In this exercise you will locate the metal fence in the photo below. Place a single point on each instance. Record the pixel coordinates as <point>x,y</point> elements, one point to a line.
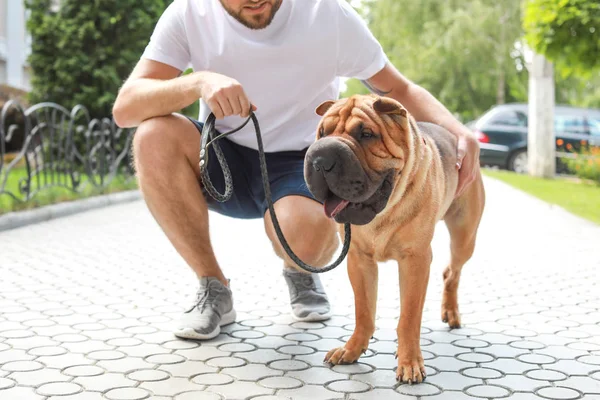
<point>47,145</point>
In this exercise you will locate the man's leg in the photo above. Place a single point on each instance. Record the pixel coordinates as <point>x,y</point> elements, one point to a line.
<point>313,238</point>
<point>166,156</point>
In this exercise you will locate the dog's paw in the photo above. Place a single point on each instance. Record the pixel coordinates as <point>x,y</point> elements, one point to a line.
<point>410,370</point>
<point>343,355</point>
<point>451,316</point>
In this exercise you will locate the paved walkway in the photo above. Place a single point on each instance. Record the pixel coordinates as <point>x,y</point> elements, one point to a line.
<point>87,302</point>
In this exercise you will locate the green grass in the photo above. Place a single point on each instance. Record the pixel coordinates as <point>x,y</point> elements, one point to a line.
<point>53,195</point>
<point>580,198</point>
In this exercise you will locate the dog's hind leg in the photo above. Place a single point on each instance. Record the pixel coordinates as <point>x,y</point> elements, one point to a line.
<point>462,221</point>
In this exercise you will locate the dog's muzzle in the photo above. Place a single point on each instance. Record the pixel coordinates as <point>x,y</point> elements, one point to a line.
<point>336,178</point>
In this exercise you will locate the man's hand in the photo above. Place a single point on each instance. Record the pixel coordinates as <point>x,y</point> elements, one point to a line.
<point>224,96</point>
<point>468,161</point>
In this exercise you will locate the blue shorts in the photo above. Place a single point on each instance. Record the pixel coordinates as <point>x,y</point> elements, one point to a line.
<point>285,170</point>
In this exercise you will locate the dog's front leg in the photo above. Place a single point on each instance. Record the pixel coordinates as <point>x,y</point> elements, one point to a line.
<point>414,276</point>
<point>362,270</point>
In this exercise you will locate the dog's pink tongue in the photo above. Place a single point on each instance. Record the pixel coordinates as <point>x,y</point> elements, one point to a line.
<point>333,205</point>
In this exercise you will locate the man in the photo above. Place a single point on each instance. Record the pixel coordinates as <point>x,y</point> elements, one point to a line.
<point>280,58</point>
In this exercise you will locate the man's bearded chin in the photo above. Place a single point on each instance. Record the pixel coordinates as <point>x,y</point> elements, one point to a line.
<point>255,22</point>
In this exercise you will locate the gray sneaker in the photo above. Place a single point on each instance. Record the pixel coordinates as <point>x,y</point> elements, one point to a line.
<point>212,309</point>
<point>307,296</point>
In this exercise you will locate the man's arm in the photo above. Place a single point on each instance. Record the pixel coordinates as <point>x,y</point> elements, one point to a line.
<point>425,107</point>
<point>153,89</point>
<point>156,89</point>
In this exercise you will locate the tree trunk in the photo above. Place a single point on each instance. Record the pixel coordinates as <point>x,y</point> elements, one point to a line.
<point>540,137</point>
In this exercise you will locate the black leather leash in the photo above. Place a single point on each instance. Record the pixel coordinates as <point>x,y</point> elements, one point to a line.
<point>208,131</point>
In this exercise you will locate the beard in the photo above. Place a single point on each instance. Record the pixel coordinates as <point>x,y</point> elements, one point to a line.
<point>253,21</point>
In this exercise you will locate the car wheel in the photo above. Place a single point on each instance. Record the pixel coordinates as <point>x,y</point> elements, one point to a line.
<point>518,162</point>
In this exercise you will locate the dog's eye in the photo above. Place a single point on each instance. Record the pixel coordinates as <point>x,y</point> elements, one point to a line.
<point>366,134</point>
<point>321,132</point>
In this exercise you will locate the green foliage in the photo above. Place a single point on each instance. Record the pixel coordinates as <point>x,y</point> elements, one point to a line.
<point>82,52</point>
<point>462,51</point>
<point>469,53</point>
<point>586,164</point>
<point>566,32</point>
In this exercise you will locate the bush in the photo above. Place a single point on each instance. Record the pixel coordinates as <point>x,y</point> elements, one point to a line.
<point>82,51</point>
<point>586,164</point>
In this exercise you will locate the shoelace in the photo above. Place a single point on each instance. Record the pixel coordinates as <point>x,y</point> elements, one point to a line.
<point>203,296</point>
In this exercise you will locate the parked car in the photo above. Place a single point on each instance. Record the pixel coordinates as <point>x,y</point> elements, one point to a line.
<point>502,134</point>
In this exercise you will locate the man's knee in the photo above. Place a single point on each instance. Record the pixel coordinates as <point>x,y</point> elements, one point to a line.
<point>151,140</point>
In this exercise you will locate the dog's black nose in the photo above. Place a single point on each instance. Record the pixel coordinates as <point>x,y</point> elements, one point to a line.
<point>324,164</point>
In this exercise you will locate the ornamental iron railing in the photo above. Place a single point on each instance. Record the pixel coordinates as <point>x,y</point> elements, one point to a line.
<point>47,145</point>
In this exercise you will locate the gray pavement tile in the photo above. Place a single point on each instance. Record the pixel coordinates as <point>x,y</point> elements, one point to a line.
<point>21,392</point>
<point>488,391</point>
<point>81,396</point>
<point>582,383</point>
<point>127,394</point>
<point>197,395</point>
<point>317,375</point>
<point>170,387</point>
<point>558,393</point>
<point>72,322</point>
<point>519,383</point>
<point>59,389</point>
<point>377,394</point>
<point>422,389</point>
<point>573,367</point>
<point>37,378</point>
<point>251,372</point>
<point>240,390</point>
<point>450,364</point>
<point>186,368</point>
<point>453,381</point>
<point>379,378</point>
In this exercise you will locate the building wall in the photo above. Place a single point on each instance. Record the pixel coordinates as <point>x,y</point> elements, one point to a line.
<point>14,45</point>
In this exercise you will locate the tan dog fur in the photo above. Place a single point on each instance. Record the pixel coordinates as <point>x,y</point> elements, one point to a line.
<point>423,194</point>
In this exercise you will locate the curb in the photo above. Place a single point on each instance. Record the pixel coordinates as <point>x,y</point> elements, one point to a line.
<point>19,219</point>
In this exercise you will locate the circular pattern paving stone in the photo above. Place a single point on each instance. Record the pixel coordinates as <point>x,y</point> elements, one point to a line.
<point>558,393</point>
<point>348,386</point>
<point>225,362</point>
<point>482,373</point>
<point>47,351</point>
<point>6,383</point>
<point>59,389</point>
<point>289,365</point>
<point>536,358</point>
<point>280,382</point>
<point>248,334</point>
<point>488,391</point>
<point>127,394</point>
<point>148,375</point>
<point>83,370</point>
<point>198,396</point>
<point>476,357</point>
<point>237,347</point>
<point>212,379</point>
<point>296,350</point>
<point>546,375</point>
<point>165,359</point>
<point>22,366</point>
<point>422,389</point>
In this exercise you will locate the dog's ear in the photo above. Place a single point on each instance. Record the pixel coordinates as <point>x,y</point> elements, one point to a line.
<point>323,107</point>
<point>386,105</point>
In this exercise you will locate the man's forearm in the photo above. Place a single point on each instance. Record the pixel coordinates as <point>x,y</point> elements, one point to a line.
<point>425,107</point>
<point>145,98</point>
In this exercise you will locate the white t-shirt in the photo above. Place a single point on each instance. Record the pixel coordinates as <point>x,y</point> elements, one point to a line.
<point>286,69</point>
